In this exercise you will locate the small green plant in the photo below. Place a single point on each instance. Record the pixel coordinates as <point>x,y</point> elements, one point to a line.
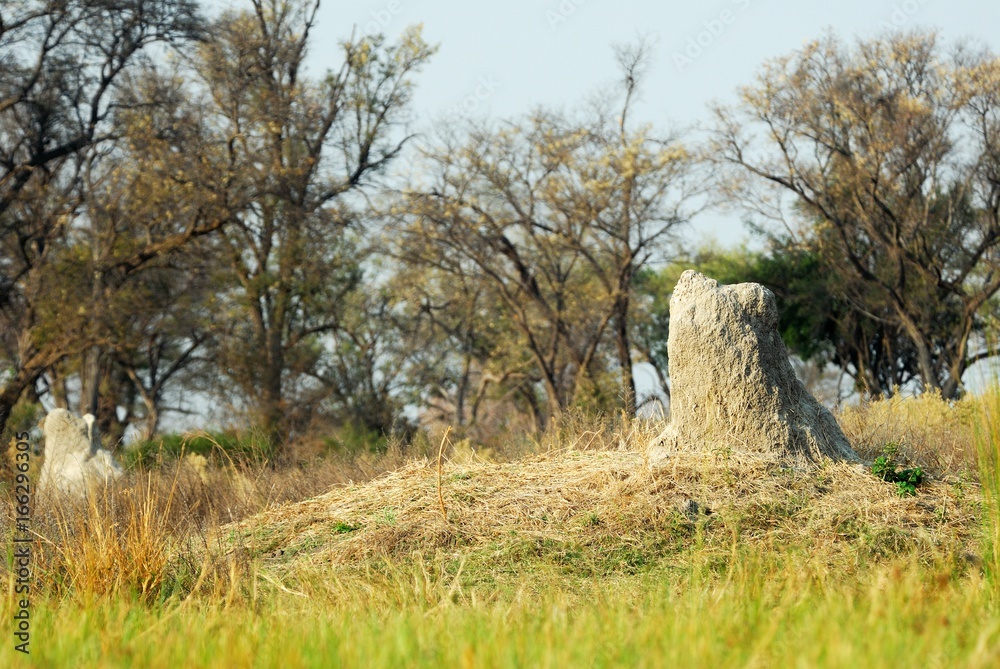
<point>883,468</point>
<point>344,528</point>
<point>906,480</point>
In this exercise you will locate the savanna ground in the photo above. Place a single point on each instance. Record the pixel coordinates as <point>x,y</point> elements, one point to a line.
<point>568,552</point>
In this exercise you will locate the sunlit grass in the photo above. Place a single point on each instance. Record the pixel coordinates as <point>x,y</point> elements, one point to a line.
<point>756,609</point>
<point>988,450</point>
<point>823,569</point>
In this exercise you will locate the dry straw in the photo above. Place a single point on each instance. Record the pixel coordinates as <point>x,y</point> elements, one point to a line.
<point>597,498</point>
<point>440,458</point>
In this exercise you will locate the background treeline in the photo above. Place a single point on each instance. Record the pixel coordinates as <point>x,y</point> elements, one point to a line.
<point>189,218</point>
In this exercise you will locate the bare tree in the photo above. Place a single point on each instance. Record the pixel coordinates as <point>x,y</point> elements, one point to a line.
<point>889,153</point>
<point>300,147</point>
<point>61,62</point>
<point>555,217</point>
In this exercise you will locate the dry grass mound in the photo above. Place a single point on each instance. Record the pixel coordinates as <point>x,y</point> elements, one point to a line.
<point>936,434</point>
<point>604,511</point>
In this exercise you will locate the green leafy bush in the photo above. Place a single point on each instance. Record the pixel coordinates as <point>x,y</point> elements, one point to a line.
<point>906,480</point>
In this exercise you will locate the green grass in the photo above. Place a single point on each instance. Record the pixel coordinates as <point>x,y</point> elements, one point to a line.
<point>988,451</point>
<point>751,609</point>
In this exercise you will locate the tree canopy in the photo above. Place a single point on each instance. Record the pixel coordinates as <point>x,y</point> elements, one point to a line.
<point>191,217</point>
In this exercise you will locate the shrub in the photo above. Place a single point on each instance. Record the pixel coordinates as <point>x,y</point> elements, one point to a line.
<point>906,480</point>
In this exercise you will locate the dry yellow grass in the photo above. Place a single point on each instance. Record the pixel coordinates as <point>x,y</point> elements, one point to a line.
<point>139,535</point>
<point>931,432</point>
<point>595,501</point>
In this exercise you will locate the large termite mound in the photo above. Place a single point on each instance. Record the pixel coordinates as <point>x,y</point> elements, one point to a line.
<point>732,384</point>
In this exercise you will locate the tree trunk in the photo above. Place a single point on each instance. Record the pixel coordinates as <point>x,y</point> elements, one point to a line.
<point>8,398</point>
<point>12,391</point>
<point>90,380</point>
<point>624,347</point>
<point>272,419</point>
<point>152,421</point>
<point>60,395</point>
<point>928,377</point>
<point>536,416</point>
<point>461,391</point>
<point>117,391</point>
<point>952,388</point>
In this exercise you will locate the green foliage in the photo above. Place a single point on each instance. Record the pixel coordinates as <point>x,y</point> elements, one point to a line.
<point>220,447</point>
<point>354,438</point>
<point>906,480</point>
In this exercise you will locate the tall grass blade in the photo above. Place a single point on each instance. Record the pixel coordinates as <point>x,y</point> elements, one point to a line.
<point>987,436</point>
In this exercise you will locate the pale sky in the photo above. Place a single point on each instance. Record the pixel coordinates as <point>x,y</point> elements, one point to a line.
<point>501,59</point>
